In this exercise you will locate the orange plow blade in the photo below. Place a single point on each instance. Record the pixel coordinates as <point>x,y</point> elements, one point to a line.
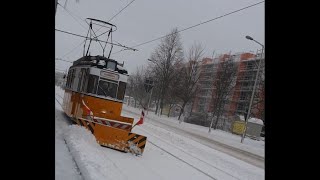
<point>115,135</point>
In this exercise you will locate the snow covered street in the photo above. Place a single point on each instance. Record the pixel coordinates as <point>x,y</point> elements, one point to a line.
<point>251,151</point>
<point>167,155</point>
<point>65,167</point>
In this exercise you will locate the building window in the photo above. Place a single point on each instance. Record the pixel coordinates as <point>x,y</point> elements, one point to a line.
<point>243,96</point>
<point>240,107</point>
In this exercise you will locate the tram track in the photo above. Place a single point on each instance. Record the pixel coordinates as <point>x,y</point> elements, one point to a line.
<point>189,154</point>
<point>248,157</point>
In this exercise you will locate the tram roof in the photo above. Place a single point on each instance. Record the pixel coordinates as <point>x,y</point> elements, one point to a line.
<point>94,61</point>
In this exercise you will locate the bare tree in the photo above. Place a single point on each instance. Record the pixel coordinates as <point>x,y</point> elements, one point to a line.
<point>188,76</point>
<point>171,98</point>
<point>163,61</point>
<point>222,86</point>
<point>136,87</point>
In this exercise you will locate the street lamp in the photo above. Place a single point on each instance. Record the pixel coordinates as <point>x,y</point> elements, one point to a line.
<point>254,87</point>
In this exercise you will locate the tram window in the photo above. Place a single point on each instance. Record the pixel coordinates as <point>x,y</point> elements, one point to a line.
<point>111,65</point>
<point>121,90</point>
<point>92,84</point>
<point>68,79</point>
<point>85,80</point>
<point>106,88</point>
<point>81,82</point>
<point>73,77</point>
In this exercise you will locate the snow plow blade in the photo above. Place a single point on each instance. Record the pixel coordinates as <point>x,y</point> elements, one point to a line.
<point>116,136</point>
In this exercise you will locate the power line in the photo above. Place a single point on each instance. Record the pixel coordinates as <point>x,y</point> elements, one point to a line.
<point>87,23</point>
<point>60,70</point>
<point>73,16</point>
<point>71,33</point>
<point>59,59</point>
<point>116,14</point>
<point>79,23</point>
<point>73,49</point>
<point>196,25</point>
<point>95,39</point>
<point>201,23</point>
<point>121,10</point>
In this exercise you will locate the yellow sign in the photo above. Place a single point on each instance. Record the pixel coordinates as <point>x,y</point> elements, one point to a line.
<point>238,127</point>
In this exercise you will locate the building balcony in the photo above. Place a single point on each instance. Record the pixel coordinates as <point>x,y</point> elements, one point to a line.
<point>243,89</point>
<point>248,69</point>
<point>203,96</point>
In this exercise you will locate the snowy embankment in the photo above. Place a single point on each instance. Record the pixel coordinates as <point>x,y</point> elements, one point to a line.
<point>88,156</point>
<point>252,146</point>
<point>65,167</point>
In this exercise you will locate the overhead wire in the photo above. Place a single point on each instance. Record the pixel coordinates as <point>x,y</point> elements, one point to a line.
<point>190,27</point>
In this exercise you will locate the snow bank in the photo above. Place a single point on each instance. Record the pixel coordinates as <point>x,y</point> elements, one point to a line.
<point>252,120</point>
<point>88,156</point>
<point>65,166</point>
<point>256,121</point>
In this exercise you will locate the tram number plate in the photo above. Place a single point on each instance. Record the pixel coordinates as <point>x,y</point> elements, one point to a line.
<point>109,75</point>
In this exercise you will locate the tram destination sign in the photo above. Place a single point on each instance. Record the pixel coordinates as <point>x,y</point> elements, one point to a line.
<point>108,75</point>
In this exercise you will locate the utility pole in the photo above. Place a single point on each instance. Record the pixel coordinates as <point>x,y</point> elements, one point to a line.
<point>56,6</point>
<point>254,88</point>
<point>148,85</point>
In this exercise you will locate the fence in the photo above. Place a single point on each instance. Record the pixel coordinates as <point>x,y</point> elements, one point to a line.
<point>203,119</point>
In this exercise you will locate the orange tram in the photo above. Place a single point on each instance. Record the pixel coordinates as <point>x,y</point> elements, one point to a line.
<point>93,98</point>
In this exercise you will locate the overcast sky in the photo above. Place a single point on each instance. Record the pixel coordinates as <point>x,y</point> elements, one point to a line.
<point>145,20</point>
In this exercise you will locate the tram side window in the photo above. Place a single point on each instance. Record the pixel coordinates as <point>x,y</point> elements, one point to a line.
<point>82,79</point>
<point>85,80</point>
<point>106,88</point>
<point>73,72</point>
<point>121,90</point>
<point>70,78</point>
<point>92,84</point>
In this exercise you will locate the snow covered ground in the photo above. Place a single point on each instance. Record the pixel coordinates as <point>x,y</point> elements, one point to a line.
<point>249,145</point>
<point>65,167</point>
<point>167,155</point>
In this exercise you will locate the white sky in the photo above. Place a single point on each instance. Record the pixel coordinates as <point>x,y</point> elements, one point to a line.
<point>145,20</point>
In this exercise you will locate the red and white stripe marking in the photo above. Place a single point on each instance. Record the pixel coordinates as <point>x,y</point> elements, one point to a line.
<point>108,122</point>
<point>112,123</point>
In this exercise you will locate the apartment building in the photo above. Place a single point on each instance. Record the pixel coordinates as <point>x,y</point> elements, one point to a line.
<point>247,68</point>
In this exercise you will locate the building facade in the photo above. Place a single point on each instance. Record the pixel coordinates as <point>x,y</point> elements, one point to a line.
<point>247,68</point>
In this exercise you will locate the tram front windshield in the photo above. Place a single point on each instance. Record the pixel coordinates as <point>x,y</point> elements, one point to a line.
<point>108,89</point>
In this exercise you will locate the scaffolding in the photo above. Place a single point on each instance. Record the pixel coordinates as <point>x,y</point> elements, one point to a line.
<point>239,100</point>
